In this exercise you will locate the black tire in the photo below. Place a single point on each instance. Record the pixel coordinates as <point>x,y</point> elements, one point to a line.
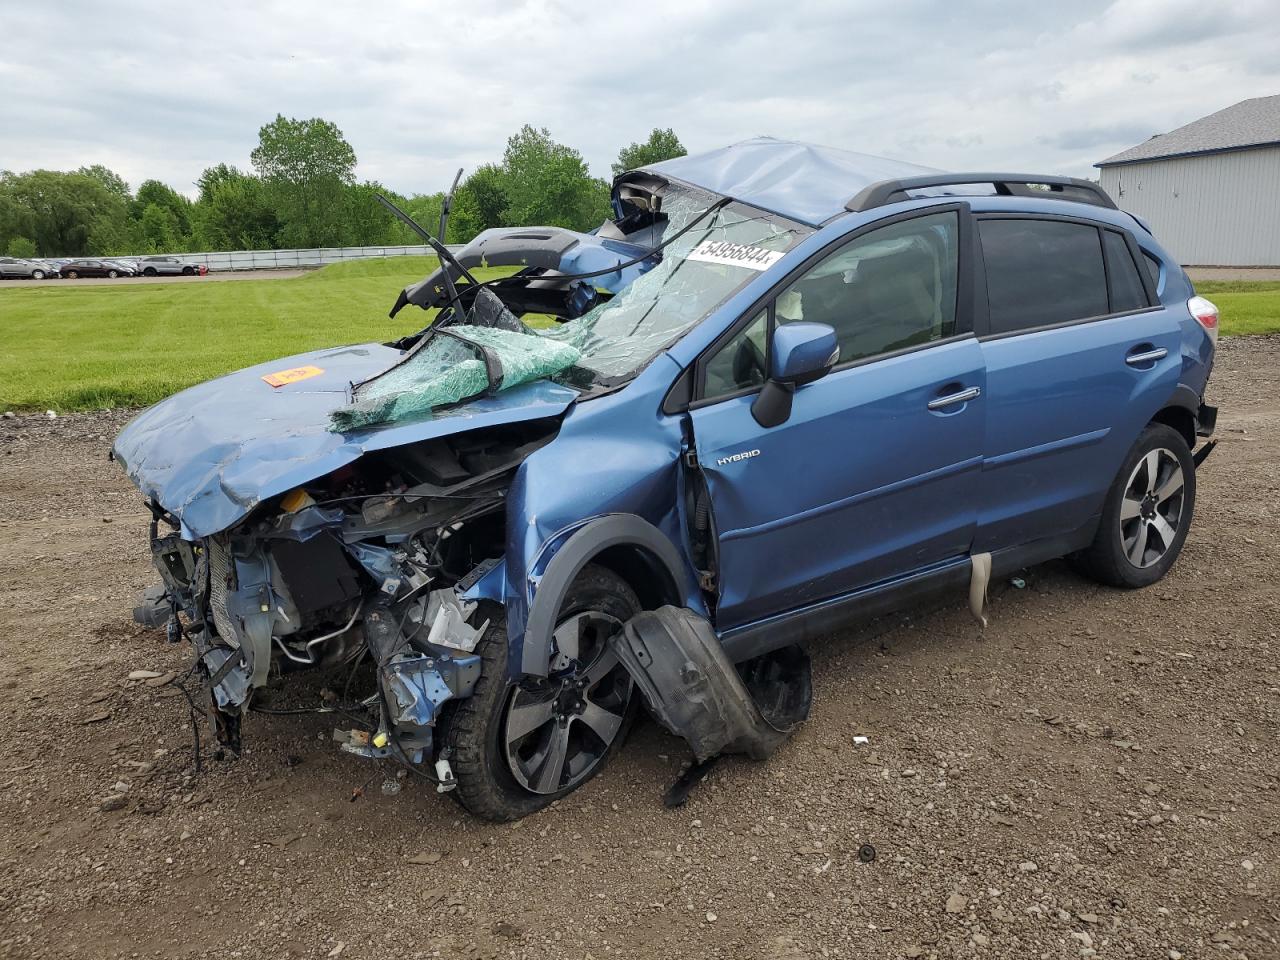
<point>1107,560</point>
<point>188,271</point>
<point>149,272</point>
<point>71,275</point>
<point>113,274</point>
<point>474,732</point>
<point>37,274</point>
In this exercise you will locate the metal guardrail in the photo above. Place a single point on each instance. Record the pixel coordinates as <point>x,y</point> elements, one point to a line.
<point>289,259</point>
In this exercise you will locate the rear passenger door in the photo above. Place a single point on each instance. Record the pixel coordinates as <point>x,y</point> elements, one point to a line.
<point>1079,356</point>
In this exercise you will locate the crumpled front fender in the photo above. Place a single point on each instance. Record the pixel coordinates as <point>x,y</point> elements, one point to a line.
<point>585,543</point>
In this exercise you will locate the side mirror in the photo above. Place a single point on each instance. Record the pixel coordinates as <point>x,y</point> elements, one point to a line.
<point>801,353</point>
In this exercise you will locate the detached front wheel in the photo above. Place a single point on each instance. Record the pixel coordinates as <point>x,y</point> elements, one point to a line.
<point>517,747</point>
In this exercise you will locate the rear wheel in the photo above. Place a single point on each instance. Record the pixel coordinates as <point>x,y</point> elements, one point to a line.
<point>517,747</point>
<point>1147,513</point>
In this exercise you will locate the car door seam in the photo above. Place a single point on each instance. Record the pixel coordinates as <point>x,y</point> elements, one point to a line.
<point>888,488</point>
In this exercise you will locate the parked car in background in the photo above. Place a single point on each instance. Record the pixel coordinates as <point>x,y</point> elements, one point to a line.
<point>837,384</point>
<point>16,268</point>
<point>127,268</point>
<point>74,269</point>
<point>169,267</point>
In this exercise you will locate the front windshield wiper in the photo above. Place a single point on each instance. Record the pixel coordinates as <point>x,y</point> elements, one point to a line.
<point>438,245</point>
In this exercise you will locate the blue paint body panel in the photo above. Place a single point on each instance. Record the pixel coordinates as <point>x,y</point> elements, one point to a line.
<point>863,482</point>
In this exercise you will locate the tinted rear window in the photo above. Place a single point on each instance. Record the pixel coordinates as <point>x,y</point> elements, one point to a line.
<point>1127,292</point>
<point>1042,272</point>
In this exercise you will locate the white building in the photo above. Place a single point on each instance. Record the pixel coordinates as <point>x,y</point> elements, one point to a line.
<point>1211,189</point>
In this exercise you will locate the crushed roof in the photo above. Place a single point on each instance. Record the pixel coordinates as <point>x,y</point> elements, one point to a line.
<point>801,181</point>
<point>1249,123</point>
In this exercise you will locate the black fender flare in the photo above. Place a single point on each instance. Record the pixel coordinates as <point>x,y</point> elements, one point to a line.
<point>613,530</point>
<point>1186,398</point>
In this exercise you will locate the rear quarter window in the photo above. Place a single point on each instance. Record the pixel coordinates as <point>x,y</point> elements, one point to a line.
<point>1153,268</point>
<point>1123,280</point>
<point>1042,272</point>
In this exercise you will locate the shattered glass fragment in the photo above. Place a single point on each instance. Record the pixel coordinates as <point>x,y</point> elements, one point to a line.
<point>450,367</point>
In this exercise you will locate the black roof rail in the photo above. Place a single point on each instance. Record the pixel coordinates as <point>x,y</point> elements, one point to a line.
<point>1006,184</point>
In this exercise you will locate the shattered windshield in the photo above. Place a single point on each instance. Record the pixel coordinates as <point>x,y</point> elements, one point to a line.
<point>697,273</point>
<point>492,349</point>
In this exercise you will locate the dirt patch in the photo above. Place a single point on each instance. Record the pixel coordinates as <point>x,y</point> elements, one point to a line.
<point>1096,771</point>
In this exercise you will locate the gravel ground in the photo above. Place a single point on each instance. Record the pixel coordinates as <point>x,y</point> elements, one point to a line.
<point>1095,772</point>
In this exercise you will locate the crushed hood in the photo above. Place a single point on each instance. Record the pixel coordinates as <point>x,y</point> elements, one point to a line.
<point>212,453</point>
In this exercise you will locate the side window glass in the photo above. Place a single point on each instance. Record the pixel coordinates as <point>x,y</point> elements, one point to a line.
<point>1042,272</point>
<point>1153,268</point>
<point>740,363</point>
<point>1125,284</point>
<point>886,290</point>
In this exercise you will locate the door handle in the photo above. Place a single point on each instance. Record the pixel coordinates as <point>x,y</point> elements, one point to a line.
<point>1146,356</point>
<point>963,396</point>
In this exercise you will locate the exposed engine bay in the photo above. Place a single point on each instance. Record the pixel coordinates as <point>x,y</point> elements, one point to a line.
<point>370,560</point>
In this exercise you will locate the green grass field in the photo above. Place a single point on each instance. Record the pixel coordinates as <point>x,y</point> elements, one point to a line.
<point>1245,306</point>
<point>70,347</point>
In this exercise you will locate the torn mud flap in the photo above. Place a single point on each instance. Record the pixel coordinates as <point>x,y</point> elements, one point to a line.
<point>695,691</point>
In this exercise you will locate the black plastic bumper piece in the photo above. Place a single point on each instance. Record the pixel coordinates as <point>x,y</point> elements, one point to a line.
<point>697,693</point>
<point>1201,455</point>
<point>153,609</point>
<point>1206,419</point>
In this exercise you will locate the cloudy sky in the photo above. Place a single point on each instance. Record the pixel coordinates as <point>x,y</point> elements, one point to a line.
<point>419,88</point>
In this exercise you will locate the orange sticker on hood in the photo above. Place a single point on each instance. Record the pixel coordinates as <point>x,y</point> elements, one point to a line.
<point>282,377</point>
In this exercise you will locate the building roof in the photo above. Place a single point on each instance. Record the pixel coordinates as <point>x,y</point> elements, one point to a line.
<point>800,181</point>
<point>1249,123</point>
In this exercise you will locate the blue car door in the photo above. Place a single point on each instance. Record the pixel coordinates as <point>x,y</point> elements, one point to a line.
<point>874,473</point>
<point>1079,356</point>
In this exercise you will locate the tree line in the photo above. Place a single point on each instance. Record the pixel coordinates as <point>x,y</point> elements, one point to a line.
<point>302,192</point>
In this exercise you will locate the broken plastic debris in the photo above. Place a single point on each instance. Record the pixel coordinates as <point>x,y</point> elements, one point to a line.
<point>859,740</point>
<point>980,576</point>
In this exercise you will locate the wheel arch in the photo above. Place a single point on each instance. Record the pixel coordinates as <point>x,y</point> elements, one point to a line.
<point>1180,413</point>
<point>625,544</point>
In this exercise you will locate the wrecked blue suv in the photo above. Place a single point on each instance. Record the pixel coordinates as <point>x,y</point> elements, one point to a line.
<point>787,386</point>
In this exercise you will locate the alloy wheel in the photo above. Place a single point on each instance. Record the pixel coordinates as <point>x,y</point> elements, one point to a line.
<point>558,732</point>
<point>1151,509</point>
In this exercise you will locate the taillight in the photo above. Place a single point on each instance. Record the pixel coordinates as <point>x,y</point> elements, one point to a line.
<point>1205,312</point>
